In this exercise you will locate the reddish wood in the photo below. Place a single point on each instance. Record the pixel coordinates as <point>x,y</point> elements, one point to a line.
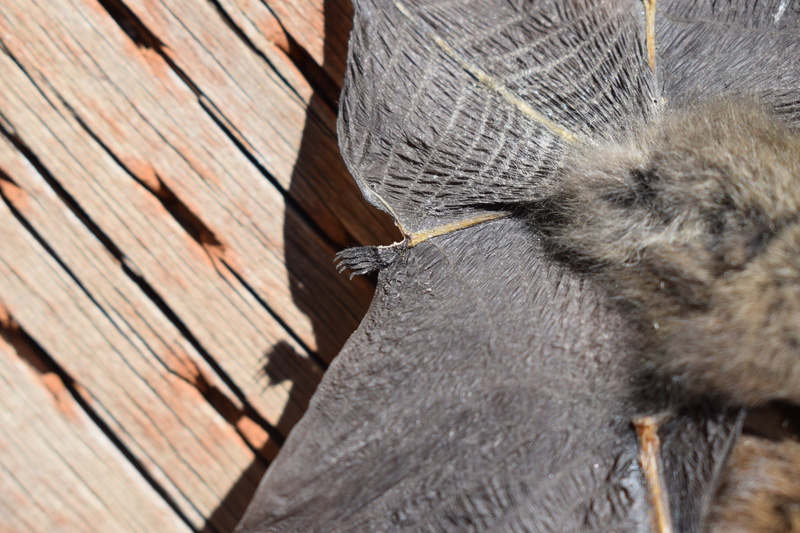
<point>172,196</point>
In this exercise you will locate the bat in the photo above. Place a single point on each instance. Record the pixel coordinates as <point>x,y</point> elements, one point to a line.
<point>600,217</point>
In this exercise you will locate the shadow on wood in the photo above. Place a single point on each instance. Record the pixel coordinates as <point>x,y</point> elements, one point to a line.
<point>326,79</point>
<point>235,502</point>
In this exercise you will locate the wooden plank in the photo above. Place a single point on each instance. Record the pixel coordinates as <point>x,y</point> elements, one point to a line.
<point>172,196</point>
<point>156,247</point>
<point>141,114</point>
<point>81,481</point>
<point>193,279</point>
<point>273,117</point>
<point>187,447</point>
<point>319,27</point>
<point>103,277</point>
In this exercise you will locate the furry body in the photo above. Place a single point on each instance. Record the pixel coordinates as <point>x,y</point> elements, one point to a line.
<point>760,493</point>
<point>694,223</point>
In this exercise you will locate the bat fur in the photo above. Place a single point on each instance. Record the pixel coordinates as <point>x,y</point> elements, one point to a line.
<point>760,492</point>
<point>693,222</point>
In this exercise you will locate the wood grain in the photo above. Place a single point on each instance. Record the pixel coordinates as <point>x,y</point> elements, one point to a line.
<point>172,199</point>
<point>81,482</point>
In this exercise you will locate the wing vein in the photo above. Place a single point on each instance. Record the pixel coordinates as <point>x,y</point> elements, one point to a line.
<point>492,83</point>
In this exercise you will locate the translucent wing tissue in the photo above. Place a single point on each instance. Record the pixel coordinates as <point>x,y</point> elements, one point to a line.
<point>458,106</point>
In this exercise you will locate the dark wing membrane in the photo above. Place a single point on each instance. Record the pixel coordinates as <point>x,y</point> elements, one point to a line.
<point>483,391</point>
<point>706,48</point>
<point>453,107</point>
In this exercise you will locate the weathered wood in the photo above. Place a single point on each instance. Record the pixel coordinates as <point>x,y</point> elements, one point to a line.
<point>172,196</point>
<point>148,394</point>
<point>81,481</point>
<point>204,295</point>
<point>158,132</point>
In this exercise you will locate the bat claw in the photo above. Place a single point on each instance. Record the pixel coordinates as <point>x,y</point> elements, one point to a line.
<point>361,260</point>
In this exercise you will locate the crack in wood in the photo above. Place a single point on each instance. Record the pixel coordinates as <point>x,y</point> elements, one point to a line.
<point>149,178</point>
<point>245,416</point>
<point>321,83</point>
<point>17,210</point>
<point>27,350</point>
<point>263,439</point>
<point>132,25</point>
<point>11,192</point>
<point>314,356</point>
<point>60,191</point>
<point>260,436</point>
<point>189,220</point>
<point>69,396</point>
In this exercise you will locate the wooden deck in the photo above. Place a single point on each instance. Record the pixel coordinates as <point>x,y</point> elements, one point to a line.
<point>172,197</point>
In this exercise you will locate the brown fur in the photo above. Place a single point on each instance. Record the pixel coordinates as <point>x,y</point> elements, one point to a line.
<point>760,492</point>
<point>694,222</point>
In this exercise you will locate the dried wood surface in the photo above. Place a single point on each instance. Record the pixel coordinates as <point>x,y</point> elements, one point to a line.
<point>172,196</point>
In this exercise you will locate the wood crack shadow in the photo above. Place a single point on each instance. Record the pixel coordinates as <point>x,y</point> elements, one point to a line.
<point>60,383</point>
<point>325,89</point>
<point>260,436</point>
<point>186,218</point>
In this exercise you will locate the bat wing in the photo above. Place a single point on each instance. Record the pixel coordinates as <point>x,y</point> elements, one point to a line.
<point>707,48</point>
<point>453,108</point>
<point>450,108</point>
<point>485,389</point>
<point>490,387</point>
